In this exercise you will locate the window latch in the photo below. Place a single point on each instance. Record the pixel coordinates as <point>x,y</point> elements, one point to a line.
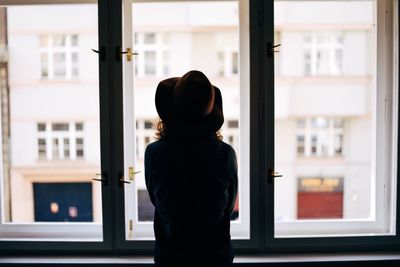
<point>121,180</point>
<point>271,49</point>
<point>102,179</point>
<point>101,52</point>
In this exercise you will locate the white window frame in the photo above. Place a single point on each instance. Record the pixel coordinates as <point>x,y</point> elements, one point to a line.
<point>384,161</point>
<point>240,229</point>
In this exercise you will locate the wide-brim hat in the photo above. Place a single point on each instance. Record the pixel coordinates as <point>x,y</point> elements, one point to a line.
<point>190,104</point>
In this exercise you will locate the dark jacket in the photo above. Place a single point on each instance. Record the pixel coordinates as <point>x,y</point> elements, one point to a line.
<point>193,186</point>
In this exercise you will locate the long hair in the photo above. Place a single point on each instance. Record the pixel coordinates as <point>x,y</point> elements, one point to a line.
<point>161,131</point>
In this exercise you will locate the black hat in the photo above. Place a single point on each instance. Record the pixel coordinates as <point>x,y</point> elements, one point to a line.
<point>190,104</point>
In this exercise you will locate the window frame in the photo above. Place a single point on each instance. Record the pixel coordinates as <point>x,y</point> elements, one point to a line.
<point>261,145</point>
<point>144,230</point>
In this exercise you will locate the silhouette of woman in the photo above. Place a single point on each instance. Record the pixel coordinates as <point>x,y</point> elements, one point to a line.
<point>191,175</point>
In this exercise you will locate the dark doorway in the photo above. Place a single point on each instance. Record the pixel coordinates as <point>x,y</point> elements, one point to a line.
<point>63,202</point>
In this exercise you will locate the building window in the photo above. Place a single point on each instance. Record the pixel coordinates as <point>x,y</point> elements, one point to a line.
<point>230,132</point>
<point>323,54</point>
<point>154,49</point>
<point>228,63</point>
<point>59,56</point>
<point>319,137</point>
<point>145,134</point>
<point>79,148</point>
<point>60,140</point>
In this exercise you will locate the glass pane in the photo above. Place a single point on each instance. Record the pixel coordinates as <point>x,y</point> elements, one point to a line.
<point>59,40</point>
<point>47,126</point>
<point>324,116</point>
<point>59,63</point>
<point>150,62</point>
<point>170,52</point>
<point>44,62</point>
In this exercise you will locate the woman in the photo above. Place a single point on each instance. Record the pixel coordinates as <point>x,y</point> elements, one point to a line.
<point>191,175</point>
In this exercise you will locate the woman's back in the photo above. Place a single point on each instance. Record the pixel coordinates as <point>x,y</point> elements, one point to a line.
<point>192,183</point>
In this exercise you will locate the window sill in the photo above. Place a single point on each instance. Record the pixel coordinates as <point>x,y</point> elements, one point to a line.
<point>281,259</point>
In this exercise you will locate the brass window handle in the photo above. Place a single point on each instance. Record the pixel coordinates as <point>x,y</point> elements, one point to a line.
<point>132,173</point>
<point>128,53</point>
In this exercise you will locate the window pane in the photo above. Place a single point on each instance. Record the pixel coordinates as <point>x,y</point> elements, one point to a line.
<point>44,62</point>
<point>79,148</point>
<point>235,63</point>
<point>55,151</point>
<point>41,127</point>
<point>150,62</point>
<point>163,45</point>
<point>66,148</point>
<point>79,126</point>
<point>59,62</point>
<point>149,38</point>
<point>47,122</point>
<point>74,64</point>
<point>325,128</point>
<point>42,149</point>
<point>74,40</point>
<point>59,126</point>
<point>59,40</point>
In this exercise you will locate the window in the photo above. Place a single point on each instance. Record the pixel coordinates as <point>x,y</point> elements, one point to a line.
<point>59,137</point>
<point>196,47</point>
<point>47,162</point>
<point>230,132</point>
<point>333,137</point>
<point>319,137</point>
<point>334,142</point>
<point>323,53</point>
<point>228,63</point>
<point>153,50</point>
<point>59,56</point>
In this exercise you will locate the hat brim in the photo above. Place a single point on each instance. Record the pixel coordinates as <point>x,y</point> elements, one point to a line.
<point>164,105</point>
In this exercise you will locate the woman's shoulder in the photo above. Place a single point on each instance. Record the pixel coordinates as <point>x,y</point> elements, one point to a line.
<point>226,147</point>
<point>156,147</point>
